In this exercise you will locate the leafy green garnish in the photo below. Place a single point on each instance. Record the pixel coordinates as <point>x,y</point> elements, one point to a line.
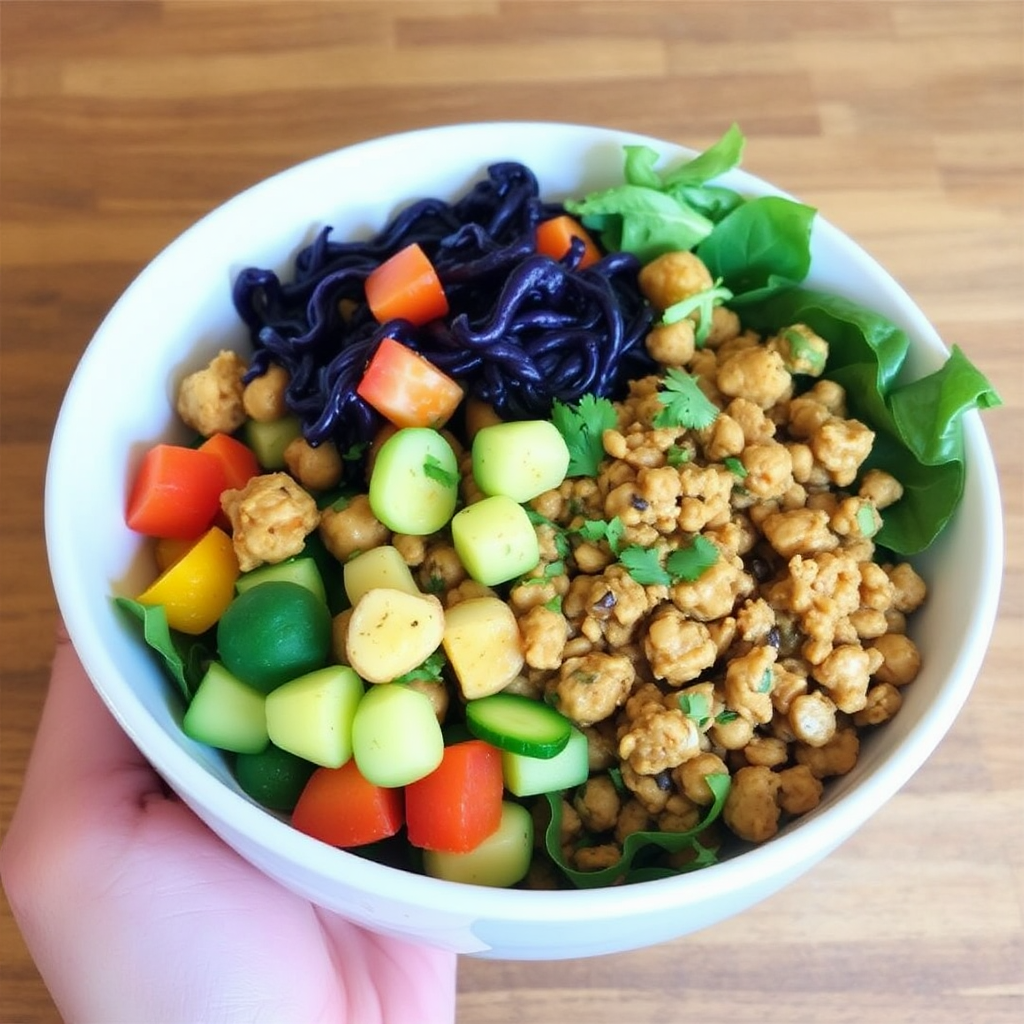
<point>682,565</point>
<point>432,468</point>
<point>635,863</point>
<point>676,456</point>
<point>185,659</point>
<point>555,604</point>
<point>735,467</point>
<point>594,530</point>
<point>696,707</point>
<point>582,427</point>
<point>685,404</point>
<point>702,302</point>
<point>430,670</point>
<point>918,425</point>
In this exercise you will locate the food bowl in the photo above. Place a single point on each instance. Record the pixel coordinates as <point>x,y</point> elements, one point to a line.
<point>178,313</point>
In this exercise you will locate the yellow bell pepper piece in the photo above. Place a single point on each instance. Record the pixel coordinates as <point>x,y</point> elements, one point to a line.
<point>196,589</point>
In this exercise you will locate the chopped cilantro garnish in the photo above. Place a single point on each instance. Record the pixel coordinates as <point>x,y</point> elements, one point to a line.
<point>682,565</point>
<point>764,684</point>
<point>726,716</point>
<point>685,404</point>
<point>560,540</point>
<point>676,456</point>
<point>429,670</point>
<point>582,428</point>
<point>735,467</point>
<point>432,467</point>
<point>355,451</point>
<point>594,530</point>
<point>555,604</point>
<point>696,707</point>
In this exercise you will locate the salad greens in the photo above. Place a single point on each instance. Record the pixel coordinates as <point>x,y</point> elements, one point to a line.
<point>633,865</point>
<point>758,252</point>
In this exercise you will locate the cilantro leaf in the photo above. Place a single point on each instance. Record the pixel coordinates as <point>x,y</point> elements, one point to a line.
<point>683,565</point>
<point>432,468</point>
<point>685,404</point>
<point>735,467</point>
<point>696,707</point>
<point>594,530</point>
<point>690,563</point>
<point>582,428</point>
<point>429,670</point>
<point>644,565</point>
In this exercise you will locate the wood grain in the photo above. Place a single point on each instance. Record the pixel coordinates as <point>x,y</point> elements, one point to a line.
<point>124,121</point>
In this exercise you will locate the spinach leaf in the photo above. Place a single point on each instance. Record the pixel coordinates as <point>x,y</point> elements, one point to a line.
<point>760,248</point>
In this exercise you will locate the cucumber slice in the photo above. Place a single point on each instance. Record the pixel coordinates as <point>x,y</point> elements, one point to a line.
<point>516,723</point>
<point>302,570</point>
<point>531,776</point>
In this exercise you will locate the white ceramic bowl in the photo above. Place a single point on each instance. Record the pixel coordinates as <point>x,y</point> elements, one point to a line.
<point>178,313</point>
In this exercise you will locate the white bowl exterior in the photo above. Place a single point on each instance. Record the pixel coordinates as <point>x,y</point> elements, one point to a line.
<point>178,313</point>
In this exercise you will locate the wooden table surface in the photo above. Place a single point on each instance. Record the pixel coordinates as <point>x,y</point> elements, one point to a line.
<point>123,122</point>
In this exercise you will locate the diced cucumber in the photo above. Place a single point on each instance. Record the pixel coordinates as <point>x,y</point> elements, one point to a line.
<point>302,570</point>
<point>495,540</point>
<point>501,860</point>
<point>227,714</point>
<point>269,440</point>
<point>396,737</point>
<point>520,459</point>
<point>312,716</point>
<point>414,485</point>
<point>519,724</point>
<point>530,776</point>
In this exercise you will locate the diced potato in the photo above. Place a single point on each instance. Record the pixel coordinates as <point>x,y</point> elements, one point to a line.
<point>390,632</point>
<point>483,645</point>
<point>378,567</point>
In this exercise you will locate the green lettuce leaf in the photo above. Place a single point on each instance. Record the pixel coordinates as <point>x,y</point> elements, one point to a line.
<point>633,865</point>
<point>918,425</point>
<point>185,659</point>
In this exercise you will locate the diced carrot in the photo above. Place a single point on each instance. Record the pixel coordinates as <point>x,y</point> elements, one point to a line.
<point>458,805</point>
<point>554,239</point>
<point>341,807</point>
<point>406,287</point>
<point>176,492</point>
<point>407,389</point>
<point>238,459</point>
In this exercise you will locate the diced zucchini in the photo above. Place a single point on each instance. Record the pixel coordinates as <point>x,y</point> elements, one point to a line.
<point>227,714</point>
<point>269,440</point>
<point>501,860</point>
<point>301,569</point>
<point>530,776</point>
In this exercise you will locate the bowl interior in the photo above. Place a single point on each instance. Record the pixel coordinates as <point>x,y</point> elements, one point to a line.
<point>178,313</point>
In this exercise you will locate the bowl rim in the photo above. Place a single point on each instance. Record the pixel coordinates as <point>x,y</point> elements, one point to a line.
<point>187,776</point>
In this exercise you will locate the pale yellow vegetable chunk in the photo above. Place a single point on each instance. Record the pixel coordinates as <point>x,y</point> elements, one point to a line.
<point>391,632</point>
<point>483,645</point>
<point>382,566</point>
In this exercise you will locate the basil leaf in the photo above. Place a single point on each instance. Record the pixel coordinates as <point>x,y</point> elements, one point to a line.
<point>718,158</point>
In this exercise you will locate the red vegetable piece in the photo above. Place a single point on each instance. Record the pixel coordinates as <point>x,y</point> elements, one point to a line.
<point>458,805</point>
<point>407,389</point>
<point>176,492</point>
<point>341,807</point>
<point>554,239</point>
<point>237,459</point>
<point>406,287</point>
